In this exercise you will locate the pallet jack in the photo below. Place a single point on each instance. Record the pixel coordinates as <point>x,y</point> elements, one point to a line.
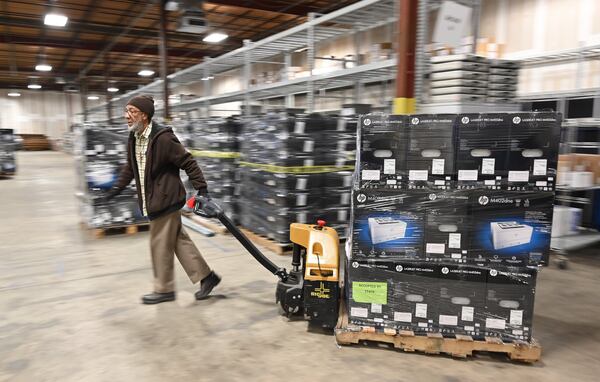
<point>311,287</point>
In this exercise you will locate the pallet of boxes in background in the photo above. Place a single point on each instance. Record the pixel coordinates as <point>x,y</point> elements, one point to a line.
<point>100,151</point>
<point>295,167</point>
<point>447,237</point>
<point>8,166</point>
<point>459,78</point>
<point>214,143</point>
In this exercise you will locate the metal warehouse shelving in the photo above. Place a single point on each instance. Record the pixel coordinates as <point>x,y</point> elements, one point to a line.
<point>576,55</point>
<point>369,73</point>
<point>358,17</point>
<point>579,197</point>
<point>562,56</point>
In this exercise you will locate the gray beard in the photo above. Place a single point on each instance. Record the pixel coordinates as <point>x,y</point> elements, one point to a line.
<point>137,127</point>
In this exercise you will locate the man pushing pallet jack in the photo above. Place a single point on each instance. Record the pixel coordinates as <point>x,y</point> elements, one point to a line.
<point>312,286</point>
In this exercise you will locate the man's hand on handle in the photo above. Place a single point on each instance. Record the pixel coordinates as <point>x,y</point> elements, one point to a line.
<point>203,205</point>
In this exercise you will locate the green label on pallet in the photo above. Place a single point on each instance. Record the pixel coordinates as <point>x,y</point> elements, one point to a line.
<point>369,292</point>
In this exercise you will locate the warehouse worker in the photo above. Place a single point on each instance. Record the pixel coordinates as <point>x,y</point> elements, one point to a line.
<point>154,157</point>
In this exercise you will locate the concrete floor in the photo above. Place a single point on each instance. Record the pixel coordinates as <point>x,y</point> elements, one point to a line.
<point>70,310</point>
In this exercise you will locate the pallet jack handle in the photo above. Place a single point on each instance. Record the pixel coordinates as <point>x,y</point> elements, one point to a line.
<point>207,208</point>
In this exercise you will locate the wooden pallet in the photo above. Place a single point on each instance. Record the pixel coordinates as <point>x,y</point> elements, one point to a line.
<point>270,244</point>
<point>130,229</point>
<point>35,142</point>
<point>435,343</point>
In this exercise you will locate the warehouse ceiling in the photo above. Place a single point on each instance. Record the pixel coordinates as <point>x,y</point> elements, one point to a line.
<point>105,43</point>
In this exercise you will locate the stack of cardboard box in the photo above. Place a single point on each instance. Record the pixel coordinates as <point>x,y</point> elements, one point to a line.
<point>459,78</point>
<point>214,143</point>
<point>100,152</point>
<point>7,152</point>
<point>292,170</point>
<point>451,217</point>
<point>578,170</point>
<point>466,77</point>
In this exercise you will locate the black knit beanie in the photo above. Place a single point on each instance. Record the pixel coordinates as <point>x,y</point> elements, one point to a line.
<point>144,103</point>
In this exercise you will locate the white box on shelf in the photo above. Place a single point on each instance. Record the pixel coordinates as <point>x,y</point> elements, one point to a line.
<point>565,221</point>
<point>581,179</point>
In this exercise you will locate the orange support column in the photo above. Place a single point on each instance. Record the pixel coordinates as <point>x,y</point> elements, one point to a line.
<point>404,103</point>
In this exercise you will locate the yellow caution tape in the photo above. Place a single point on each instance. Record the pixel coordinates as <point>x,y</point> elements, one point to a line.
<point>296,169</point>
<point>215,154</point>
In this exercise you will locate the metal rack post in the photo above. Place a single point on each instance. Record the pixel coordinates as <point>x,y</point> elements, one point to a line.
<point>207,87</point>
<point>247,74</point>
<point>421,59</point>
<point>310,53</point>
<point>289,98</point>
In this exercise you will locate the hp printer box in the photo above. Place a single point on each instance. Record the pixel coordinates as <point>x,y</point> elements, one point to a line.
<point>509,303</point>
<point>533,156</point>
<point>511,228</point>
<point>447,227</point>
<point>388,224</point>
<point>392,294</point>
<point>382,151</point>
<point>369,292</point>
<point>460,297</point>
<point>482,152</point>
<point>430,153</point>
<point>413,300</point>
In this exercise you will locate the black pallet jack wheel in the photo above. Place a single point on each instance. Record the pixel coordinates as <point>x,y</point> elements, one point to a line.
<point>563,263</point>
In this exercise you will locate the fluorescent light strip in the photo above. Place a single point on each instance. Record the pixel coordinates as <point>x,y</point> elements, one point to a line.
<point>146,73</point>
<point>34,86</point>
<point>55,20</point>
<point>14,94</point>
<point>215,37</point>
<point>43,67</point>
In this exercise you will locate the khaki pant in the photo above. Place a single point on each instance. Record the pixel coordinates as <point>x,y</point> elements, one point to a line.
<point>167,236</point>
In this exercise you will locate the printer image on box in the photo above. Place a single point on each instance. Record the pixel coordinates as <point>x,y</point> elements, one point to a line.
<point>387,228</point>
<point>510,234</point>
<point>388,224</point>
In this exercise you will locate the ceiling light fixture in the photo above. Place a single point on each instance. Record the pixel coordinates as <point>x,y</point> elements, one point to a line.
<point>112,89</point>
<point>55,20</point>
<point>93,98</point>
<point>207,78</point>
<point>14,94</point>
<point>215,37</point>
<point>146,73</point>
<point>43,67</point>
<point>34,86</point>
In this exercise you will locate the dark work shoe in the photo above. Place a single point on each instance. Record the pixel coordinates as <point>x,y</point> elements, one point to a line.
<point>207,285</point>
<point>157,298</point>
